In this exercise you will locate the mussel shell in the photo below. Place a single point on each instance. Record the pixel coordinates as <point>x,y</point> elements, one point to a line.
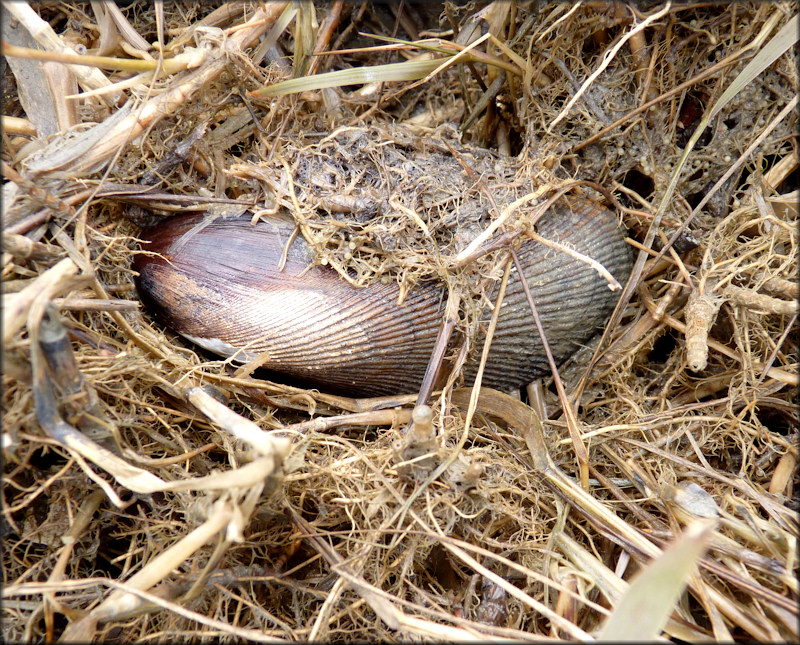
<point>217,283</point>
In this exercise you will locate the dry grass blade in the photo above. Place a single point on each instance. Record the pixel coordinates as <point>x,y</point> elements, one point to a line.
<point>136,479</point>
<point>573,630</point>
<point>241,428</point>
<point>776,48</point>
<point>110,136</point>
<point>16,306</point>
<point>120,602</point>
<point>126,30</point>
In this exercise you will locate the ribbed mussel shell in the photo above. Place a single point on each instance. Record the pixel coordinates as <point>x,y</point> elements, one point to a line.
<point>217,283</point>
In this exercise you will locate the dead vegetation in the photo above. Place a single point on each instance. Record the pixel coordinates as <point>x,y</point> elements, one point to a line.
<point>152,492</point>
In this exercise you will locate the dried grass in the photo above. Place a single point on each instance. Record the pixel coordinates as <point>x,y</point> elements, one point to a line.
<point>152,493</point>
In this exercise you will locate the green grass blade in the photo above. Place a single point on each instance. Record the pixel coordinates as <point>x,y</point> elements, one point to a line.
<point>408,71</point>
<point>643,611</point>
<point>771,52</point>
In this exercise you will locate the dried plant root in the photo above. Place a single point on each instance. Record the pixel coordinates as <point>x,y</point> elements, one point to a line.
<point>701,312</point>
<point>759,302</point>
<point>782,287</point>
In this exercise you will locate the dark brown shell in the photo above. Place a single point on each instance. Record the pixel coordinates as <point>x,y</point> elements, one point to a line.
<point>218,284</point>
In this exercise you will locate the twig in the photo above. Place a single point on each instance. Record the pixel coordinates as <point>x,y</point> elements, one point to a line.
<point>267,444</point>
<point>449,321</point>
<point>581,453</point>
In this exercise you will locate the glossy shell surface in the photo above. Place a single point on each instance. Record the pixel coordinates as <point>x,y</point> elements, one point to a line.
<point>217,283</point>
